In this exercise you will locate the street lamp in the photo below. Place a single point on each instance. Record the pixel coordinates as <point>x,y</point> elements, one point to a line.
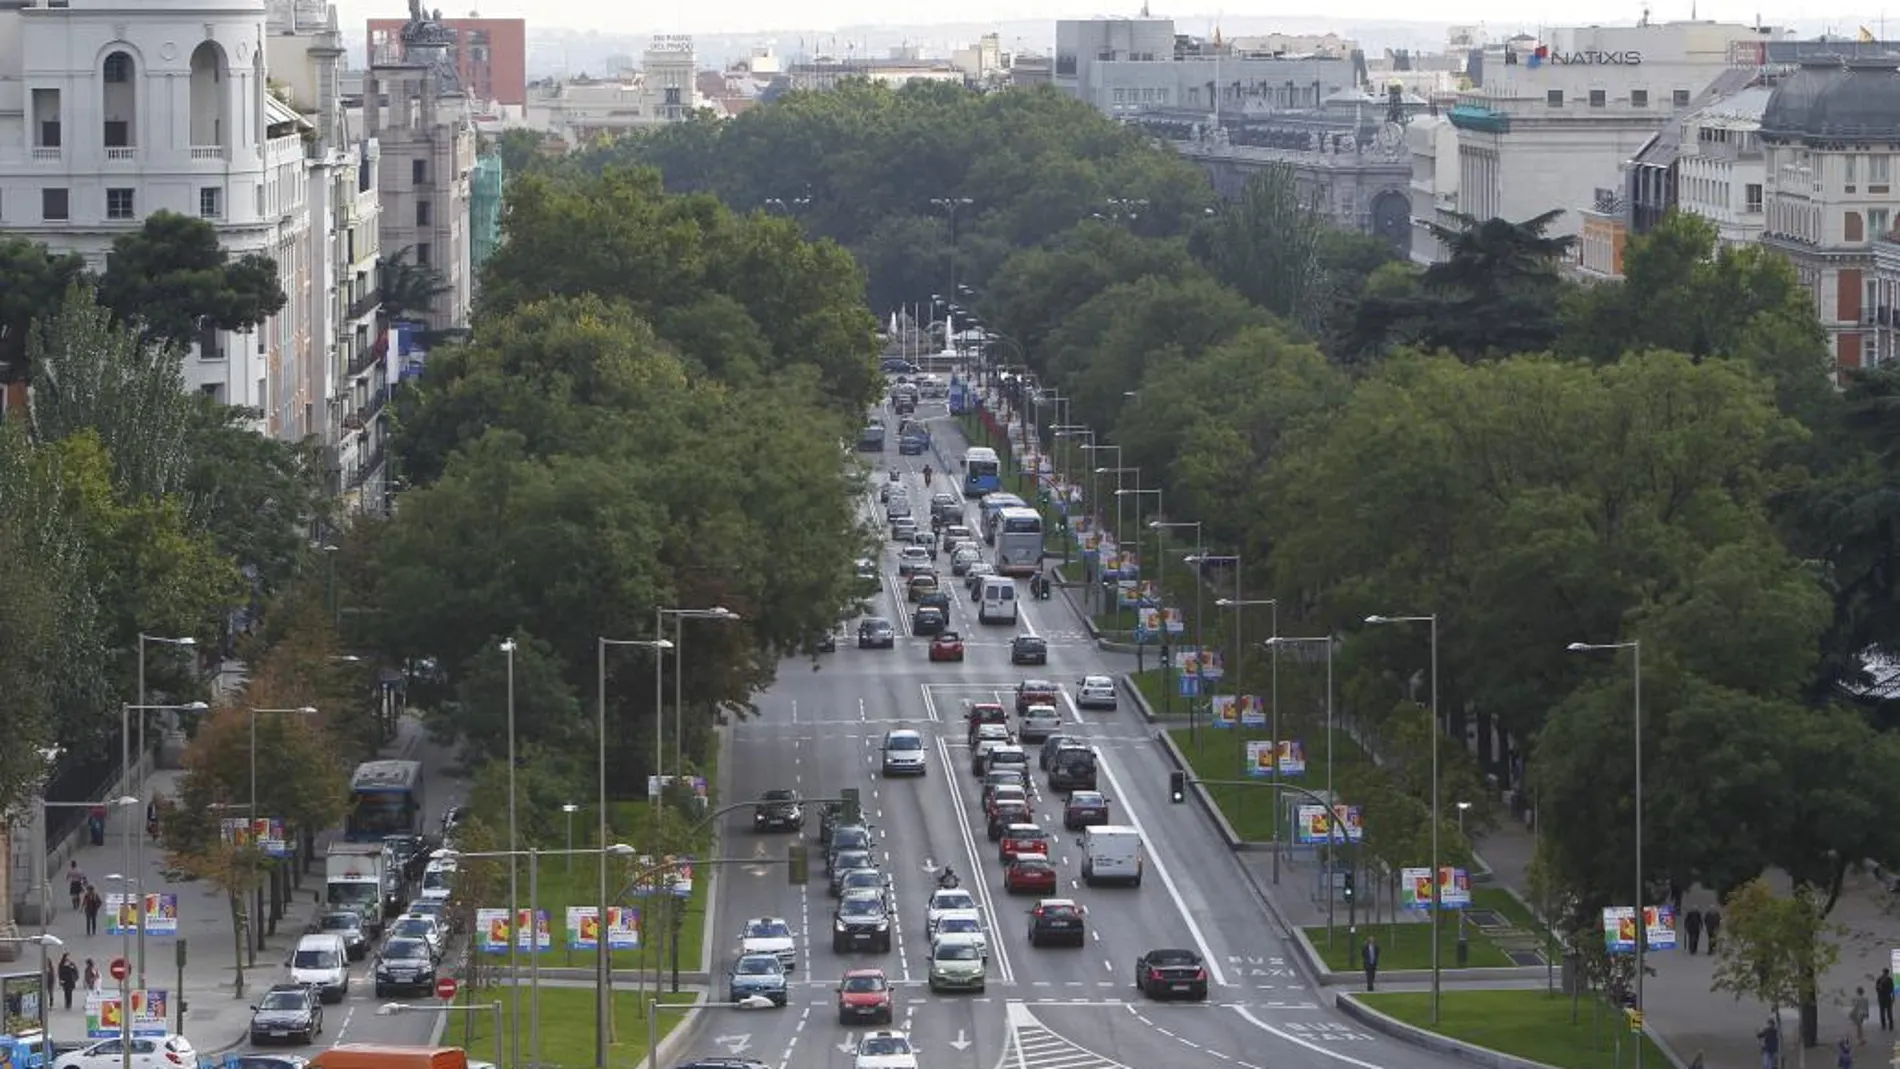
<point>1160,581</point>
<point>1091,449</point>
<point>654,1006</point>
<point>569,808</point>
<point>258,909</point>
<point>46,941</point>
<point>1635,646</point>
<point>680,616</point>
<point>514,879</point>
<point>125,729</point>
<point>1161,529</point>
<point>184,641</point>
<point>389,1009</point>
<point>1463,940</point>
<point>1274,645</point>
<point>603,978</point>
<point>1238,603</point>
<point>1437,898</point>
<point>789,207</point>
<point>950,206</point>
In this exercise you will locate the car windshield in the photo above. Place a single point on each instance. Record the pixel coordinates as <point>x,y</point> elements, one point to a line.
<point>341,922</point>
<point>1166,958</point>
<point>955,900</point>
<point>1032,863</point>
<point>778,796</point>
<point>961,924</point>
<point>958,952</point>
<point>414,926</point>
<point>853,859</point>
<point>1085,799</point>
<point>862,984</point>
<point>437,879</point>
<point>902,742</point>
<point>1058,911</point>
<point>862,878</point>
<point>314,959</point>
<point>758,966</point>
<point>768,930</point>
<point>884,1045</point>
<point>405,949</point>
<point>284,1000</point>
<point>860,907</point>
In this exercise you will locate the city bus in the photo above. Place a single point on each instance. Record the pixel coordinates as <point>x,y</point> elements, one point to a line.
<point>385,799</point>
<point>982,473</point>
<point>990,508</point>
<point>1019,541</point>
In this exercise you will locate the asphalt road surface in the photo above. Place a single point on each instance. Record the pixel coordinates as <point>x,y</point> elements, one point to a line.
<point>818,732</point>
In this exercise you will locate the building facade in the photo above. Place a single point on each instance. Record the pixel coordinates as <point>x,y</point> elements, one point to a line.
<point>1722,171</point>
<point>664,90</point>
<point>426,146</point>
<point>1119,66</point>
<point>490,55</point>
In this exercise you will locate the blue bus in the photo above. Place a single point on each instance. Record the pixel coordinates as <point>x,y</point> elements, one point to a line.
<point>385,799</point>
<point>982,473</point>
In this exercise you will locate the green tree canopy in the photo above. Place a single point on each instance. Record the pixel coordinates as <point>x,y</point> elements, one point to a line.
<point>1038,287</point>
<point>174,279</point>
<point>33,282</point>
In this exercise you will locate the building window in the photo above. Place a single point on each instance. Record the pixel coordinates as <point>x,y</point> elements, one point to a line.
<point>1554,97</point>
<point>1598,98</point>
<point>118,133</point>
<point>1851,227</point>
<point>422,253</point>
<point>53,204</point>
<point>418,172</point>
<point>1879,222</point>
<point>118,204</point>
<point>1848,168</point>
<point>1879,172</point>
<point>1639,98</point>
<point>210,203</point>
<point>1752,194</point>
<point>424,213</point>
<point>118,68</point>
<point>46,118</point>
<point>1681,98</point>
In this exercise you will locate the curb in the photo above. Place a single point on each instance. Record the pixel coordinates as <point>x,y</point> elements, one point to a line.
<point>1351,1006</point>
<point>689,1023</point>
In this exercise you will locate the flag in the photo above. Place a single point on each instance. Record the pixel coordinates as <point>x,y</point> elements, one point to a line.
<point>1866,34</point>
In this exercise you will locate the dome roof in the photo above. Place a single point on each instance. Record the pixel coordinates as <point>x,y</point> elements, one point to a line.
<point>1837,100</point>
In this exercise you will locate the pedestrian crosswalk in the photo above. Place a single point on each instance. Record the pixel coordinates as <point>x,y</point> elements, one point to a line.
<point>1032,1043</point>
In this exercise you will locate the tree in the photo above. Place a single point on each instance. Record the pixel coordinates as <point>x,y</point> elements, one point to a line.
<point>481,713</point>
<point>254,497</point>
<point>33,282</point>
<point>174,280</point>
<point>521,150</point>
<point>1266,245</point>
<point>406,288</point>
<point>1775,948</point>
<point>1037,288</point>
<point>1496,293</point>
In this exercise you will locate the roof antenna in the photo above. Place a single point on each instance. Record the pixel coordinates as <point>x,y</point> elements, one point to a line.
<point>1144,8</point>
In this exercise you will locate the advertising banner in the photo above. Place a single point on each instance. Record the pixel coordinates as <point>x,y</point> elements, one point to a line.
<point>583,928</point>
<point>150,1008</point>
<point>21,1000</point>
<point>1454,888</point>
<point>1189,686</point>
<point>1261,752</point>
<point>1193,661</point>
<point>1176,625</point>
<point>678,880</point>
<point>1619,928</point>
<point>1415,888</point>
<point>1147,623</point>
<point>266,832</point>
<point>1224,713</point>
<point>1314,825</point>
<point>492,930</point>
<point>122,914</point>
<point>1253,711</point>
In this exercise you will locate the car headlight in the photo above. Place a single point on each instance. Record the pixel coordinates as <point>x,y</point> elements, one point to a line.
<point>883,925</point>
<point>840,925</point>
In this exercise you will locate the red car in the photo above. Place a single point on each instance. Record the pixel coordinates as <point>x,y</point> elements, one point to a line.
<point>1005,812</point>
<point>864,995</point>
<point>1036,692</point>
<point>1022,840</point>
<point>986,713</point>
<point>947,646</point>
<point>1030,873</point>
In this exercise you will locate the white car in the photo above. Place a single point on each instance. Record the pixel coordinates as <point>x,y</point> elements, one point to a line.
<point>438,879</point>
<point>962,922</point>
<point>993,733</point>
<point>424,927</point>
<point>1095,692</point>
<point>885,1050</point>
<point>948,900</point>
<point>911,559</point>
<point>148,1052</point>
<point>770,935</point>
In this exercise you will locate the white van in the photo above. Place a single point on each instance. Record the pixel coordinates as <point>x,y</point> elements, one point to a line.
<point>438,880</point>
<point>996,600</point>
<point>322,961</point>
<point>1111,852</point>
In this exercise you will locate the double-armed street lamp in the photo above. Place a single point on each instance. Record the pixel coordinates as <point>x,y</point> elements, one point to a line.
<point>1237,603</point>
<point>1332,799</point>
<point>508,648</point>
<point>1437,729</point>
<point>1161,529</point>
<point>680,616</point>
<point>1635,646</point>
<point>950,206</point>
<point>390,1009</point>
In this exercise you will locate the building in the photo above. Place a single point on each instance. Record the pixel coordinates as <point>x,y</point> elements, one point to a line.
<point>484,211</point>
<point>1122,65</point>
<point>1722,170</point>
<point>490,55</point>
<point>664,90</point>
<point>825,72</point>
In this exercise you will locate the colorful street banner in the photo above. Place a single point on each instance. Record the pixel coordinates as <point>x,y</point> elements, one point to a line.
<point>1314,825</point>
<point>1253,712</point>
<point>1147,622</point>
<point>1619,928</point>
<point>150,1008</point>
<point>1195,661</point>
<point>1224,715</point>
<point>1261,752</point>
<point>492,931</point>
<point>122,914</point>
<point>266,832</point>
<point>583,928</point>
<point>678,880</point>
<point>1415,888</point>
<point>701,790</point>
<point>22,998</point>
<point>1176,625</point>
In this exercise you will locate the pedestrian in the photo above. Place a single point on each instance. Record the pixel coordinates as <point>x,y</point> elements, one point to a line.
<point>1857,1013</point>
<point>1843,1055</point>
<point>1883,998</point>
<point>1692,928</point>
<point>1369,957</point>
<point>52,979</point>
<point>1770,1040</point>
<point>68,977</point>
<point>75,881</point>
<point>92,977</point>
<point>1711,921</point>
<point>92,903</point>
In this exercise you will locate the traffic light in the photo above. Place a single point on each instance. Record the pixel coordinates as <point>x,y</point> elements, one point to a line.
<point>851,811</point>
<point>798,864</point>
<point>1348,885</point>
<point>1177,787</point>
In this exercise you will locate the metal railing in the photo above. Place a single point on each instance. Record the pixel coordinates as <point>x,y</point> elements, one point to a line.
<point>369,357</point>
<point>365,304</point>
<point>367,467</point>
<point>378,398</point>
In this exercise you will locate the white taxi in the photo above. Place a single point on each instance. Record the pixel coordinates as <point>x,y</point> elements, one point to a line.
<point>885,1050</point>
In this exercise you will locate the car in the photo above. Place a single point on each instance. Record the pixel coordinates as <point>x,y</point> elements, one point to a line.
<point>973,579</point>
<point>348,924</point>
<point>985,742</point>
<point>432,907</point>
<point>921,585</point>
<point>1003,792</point>
<point>1023,840</point>
<point>1055,743</point>
<point>941,500</point>
<point>830,815</point>
<point>981,713</point>
<point>896,508</point>
<point>1030,874</point>
<point>1095,692</point>
<point>944,901</point>
<point>1084,809</point>
<point>1003,777</point>
<point>778,809</point>
<point>862,921</point>
<point>961,560</point>
<point>438,879</point>
<point>951,535</point>
<point>148,1052</point>
<point>1057,920</point>
<point>902,528</point>
<point>957,964</point>
<point>962,922</point>
<point>904,752</point>
<point>847,861</point>
<point>1171,973</point>
<point>1040,722</point>
<point>424,927</point>
<point>946,646</point>
<point>1034,691</point>
<point>1028,649</point>
<point>756,975</point>
<point>926,539</point>
<point>770,935</point>
<point>867,568</point>
<point>865,880</point>
<point>827,642</point>
<point>928,621</point>
<point>910,559</point>
<point>936,599</point>
<point>1004,813</point>
<point>865,995</point>
<point>897,365</point>
<point>711,1063</point>
<point>876,633</point>
<point>885,1050</point>
<point>404,966</point>
<point>1072,769</point>
<point>1009,756</point>
<point>289,1012</point>
<point>851,837</point>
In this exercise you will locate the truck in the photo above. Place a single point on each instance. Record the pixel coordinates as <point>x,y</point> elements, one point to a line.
<point>354,875</point>
<point>871,438</point>
<point>912,438</point>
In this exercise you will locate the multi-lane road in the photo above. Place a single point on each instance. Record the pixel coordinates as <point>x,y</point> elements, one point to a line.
<point>818,732</point>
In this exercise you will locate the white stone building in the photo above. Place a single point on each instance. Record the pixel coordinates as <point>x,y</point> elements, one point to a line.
<point>663,90</point>
<point>1722,168</point>
<point>1126,65</point>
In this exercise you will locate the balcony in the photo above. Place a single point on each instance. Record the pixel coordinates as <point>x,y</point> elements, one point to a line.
<point>43,153</point>
<point>122,153</point>
<point>367,467</point>
<point>371,356</point>
<point>208,152</point>
<point>364,306</point>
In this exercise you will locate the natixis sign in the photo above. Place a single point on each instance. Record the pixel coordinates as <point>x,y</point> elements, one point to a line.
<point>1587,57</point>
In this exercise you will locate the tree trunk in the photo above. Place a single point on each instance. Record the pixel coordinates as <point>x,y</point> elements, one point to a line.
<point>1810,1021</point>
<point>237,938</point>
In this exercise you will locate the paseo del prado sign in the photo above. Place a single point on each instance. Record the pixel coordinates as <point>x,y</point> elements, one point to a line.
<point>1588,57</point>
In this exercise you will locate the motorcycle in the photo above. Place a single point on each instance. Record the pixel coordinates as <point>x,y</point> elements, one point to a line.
<point>948,881</point>
<point>927,474</point>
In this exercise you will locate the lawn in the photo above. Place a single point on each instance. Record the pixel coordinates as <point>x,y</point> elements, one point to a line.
<point>568,1019</point>
<point>1404,945</point>
<point>1221,754</point>
<point>560,889</point>
<point>1528,1024</point>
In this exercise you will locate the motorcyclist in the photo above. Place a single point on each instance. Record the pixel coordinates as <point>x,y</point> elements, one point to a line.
<point>894,475</point>
<point>927,474</point>
<point>947,879</point>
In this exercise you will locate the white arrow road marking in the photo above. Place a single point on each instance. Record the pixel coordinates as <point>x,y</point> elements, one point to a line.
<point>961,1042</point>
<point>849,1044</point>
<point>735,1045</point>
<point>930,864</point>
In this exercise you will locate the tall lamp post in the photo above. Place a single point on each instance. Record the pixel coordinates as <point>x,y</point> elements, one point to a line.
<point>47,941</point>
<point>1635,646</point>
<point>388,1009</point>
<point>603,973</point>
<point>680,616</point>
<point>950,206</point>
<point>514,878</point>
<point>1437,898</point>
<point>185,641</point>
<point>258,905</point>
<point>1274,644</point>
<point>1161,529</point>
<point>1160,584</point>
<point>134,885</point>
<point>1238,603</point>
<point>125,731</point>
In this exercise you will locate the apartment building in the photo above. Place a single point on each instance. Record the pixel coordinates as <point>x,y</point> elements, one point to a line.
<point>1120,65</point>
<point>490,56</point>
<point>1722,168</point>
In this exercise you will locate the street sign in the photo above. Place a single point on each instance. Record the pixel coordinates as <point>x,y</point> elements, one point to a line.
<point>119,969</point>
<point>445,988</point>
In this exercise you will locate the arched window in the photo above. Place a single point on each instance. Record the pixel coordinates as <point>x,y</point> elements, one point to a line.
<point>119,103</point>
<point>210,102</point>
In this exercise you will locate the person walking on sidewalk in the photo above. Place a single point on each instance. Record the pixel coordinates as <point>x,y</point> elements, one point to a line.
<point>68,977</point>
<point>1692,928</point>
<point>1883,998</point>
<point>91,903</point>
<point>1770,1040</point>
<point>75,881</point>
<point>1711,922</point>
<point>1857,1013</point>
<point>1843,1055</point>
<point>92,977</point>
<point>1369,957</point>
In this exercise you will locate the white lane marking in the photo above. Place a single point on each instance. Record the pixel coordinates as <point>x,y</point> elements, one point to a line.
<point>1161,868</point>
<point>863,715</point>
<point>897,601</point>
<point>1022,614</point>
<point>1308,1044</point>
<point>1075,711</point>
<point>977,883</point>
<point>930,704</point>
<point>794,710</point>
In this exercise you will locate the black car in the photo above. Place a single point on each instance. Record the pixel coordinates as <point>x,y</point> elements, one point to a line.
<point>1056,920</point>
<point>827,642</point>
<point>828,819</point>
<point>875,632</point>
<point>288,1013</point>
<point>844,861</point>
<point>406,966</point>
<point>778,810</point>
<point>1028,649</point>
<point>861,921</point>
<point>412,854</point>
<point>927,620</point>
<point>347,923</point>
<point>1072,769</point>
<point>848,837</point>
<point>1165,974</point>
<point>936,599</point>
